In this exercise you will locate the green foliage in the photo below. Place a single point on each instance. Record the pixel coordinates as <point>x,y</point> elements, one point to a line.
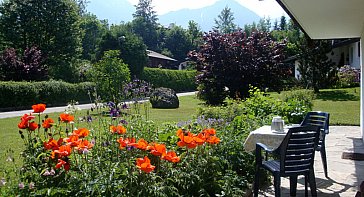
<point>109,74</point>
<point>20,95</point>
<point>229,63</point>
<point>178,80</point>
<point>316,69</point>
<point>51,25</point>
<point>178,42</point>
<point>259,109</point>
<point>132,48</point>
<point>93,30</point>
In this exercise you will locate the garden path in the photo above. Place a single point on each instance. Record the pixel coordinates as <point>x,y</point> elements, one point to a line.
<point>62,108</point>
<point>345,175</point>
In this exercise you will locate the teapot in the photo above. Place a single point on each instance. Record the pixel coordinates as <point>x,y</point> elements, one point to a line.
<point>277,124</point>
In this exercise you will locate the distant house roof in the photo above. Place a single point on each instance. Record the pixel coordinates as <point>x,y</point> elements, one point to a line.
<point>159,56</point>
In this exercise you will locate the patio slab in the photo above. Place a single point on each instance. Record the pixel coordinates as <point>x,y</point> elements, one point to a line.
<point>345,175</point>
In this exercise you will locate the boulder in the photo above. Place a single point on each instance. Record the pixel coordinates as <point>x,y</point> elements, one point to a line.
<point>164,98</point>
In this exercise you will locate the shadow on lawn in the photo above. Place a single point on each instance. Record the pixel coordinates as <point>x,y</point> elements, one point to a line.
<point>337,95</point>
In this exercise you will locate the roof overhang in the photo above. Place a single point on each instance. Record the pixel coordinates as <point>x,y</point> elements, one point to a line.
<point>327,19</point>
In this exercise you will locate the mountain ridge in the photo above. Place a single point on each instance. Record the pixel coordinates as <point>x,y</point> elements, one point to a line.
<point>118,11</point>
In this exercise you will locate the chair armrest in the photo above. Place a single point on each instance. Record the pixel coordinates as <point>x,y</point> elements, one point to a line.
<point>258,152</point>
<point>264,147</point>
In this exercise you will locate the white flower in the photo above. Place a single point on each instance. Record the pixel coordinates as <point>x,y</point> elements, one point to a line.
<point>2,182</point>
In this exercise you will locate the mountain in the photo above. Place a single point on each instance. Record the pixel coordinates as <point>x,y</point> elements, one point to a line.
<point>205,17</point>
<point>115,11</point>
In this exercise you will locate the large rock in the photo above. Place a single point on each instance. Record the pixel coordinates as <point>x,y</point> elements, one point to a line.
<point>164,98</point>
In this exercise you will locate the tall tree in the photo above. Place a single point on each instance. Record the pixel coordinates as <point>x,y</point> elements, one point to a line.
<point>195,33</point>
<point>132,48</point>
<point>145,23</point>
<point>225,21</point>
<point>93,30</point>
<point>144,9</point>
<point>283,23</point>
<point>178,42</point>
<point>51,25</point>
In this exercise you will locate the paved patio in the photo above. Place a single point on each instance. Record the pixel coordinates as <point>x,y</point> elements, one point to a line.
<point>345,175</point>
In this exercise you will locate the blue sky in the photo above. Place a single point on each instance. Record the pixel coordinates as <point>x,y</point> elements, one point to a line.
<point>262,8</point>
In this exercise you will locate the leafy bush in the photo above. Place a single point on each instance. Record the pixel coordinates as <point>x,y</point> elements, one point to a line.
<point>348,77</point>
<point>109,74</point>
<point>262,108</point>
<point>229,63</point>
<point>178,80</point>
<point>19,95</point>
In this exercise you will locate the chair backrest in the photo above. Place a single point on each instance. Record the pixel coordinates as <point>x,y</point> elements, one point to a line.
<point>317,118</point>
<point>297,151</point>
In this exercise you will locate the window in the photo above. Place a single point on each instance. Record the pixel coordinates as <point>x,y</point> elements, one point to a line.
<point>359,49</point>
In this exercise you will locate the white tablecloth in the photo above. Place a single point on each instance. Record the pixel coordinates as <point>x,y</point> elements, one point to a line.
<point>266,136</point>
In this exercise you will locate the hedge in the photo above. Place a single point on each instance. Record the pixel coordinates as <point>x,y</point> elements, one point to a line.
<point>21,95</point>
<point>178,80</point>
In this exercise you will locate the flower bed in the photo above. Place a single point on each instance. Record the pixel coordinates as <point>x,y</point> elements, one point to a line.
<point>126,155</point>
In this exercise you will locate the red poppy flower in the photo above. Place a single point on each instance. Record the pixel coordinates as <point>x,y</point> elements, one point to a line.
<point>23,125</point>
<point>187,139</point>
<point>144,164</point>
<point>142,144</point>
<point>27,117</point>
<point>172,157</point>
<point>84,144</point>
<point>32,126</point>
<point>66,118</point>
<point>125,142</point>
<point>200,139</point>
<point>72,140</point>
<point>63,151</point>
<point>39,108</point>
<point>210,131</point>
<point>53,144</point>
<point>157,149</point>
<point>213,140</point>
<point>63,163</point>
<point>119,129</point>
<point>82,132</point>
<point>48,123</point>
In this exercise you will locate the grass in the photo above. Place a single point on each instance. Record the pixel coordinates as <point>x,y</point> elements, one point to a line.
<point>342,104</point>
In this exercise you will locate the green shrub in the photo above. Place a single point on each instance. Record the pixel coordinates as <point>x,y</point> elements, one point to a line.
<point>21,95</point>
<point>178,80</point>
<point>109,74</point>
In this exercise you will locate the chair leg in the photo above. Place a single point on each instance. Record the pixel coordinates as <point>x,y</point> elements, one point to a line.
<point>277,186</point>
<point>306,191</point>
<point>312,182</point>
<point>323,158</point>
<point>293,185</point>
<point>256,182</point>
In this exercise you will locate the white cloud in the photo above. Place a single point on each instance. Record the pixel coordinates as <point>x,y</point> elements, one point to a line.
<point>262,8</point>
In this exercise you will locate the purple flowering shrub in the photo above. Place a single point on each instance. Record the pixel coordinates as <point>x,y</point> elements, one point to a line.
<point>348,77</point>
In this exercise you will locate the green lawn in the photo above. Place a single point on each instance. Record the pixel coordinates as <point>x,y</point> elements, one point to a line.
<point>342,104</point>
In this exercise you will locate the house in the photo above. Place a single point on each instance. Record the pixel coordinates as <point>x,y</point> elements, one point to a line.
<point>157,60</point>
<point>344,52</point>
<point>332,19</point>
